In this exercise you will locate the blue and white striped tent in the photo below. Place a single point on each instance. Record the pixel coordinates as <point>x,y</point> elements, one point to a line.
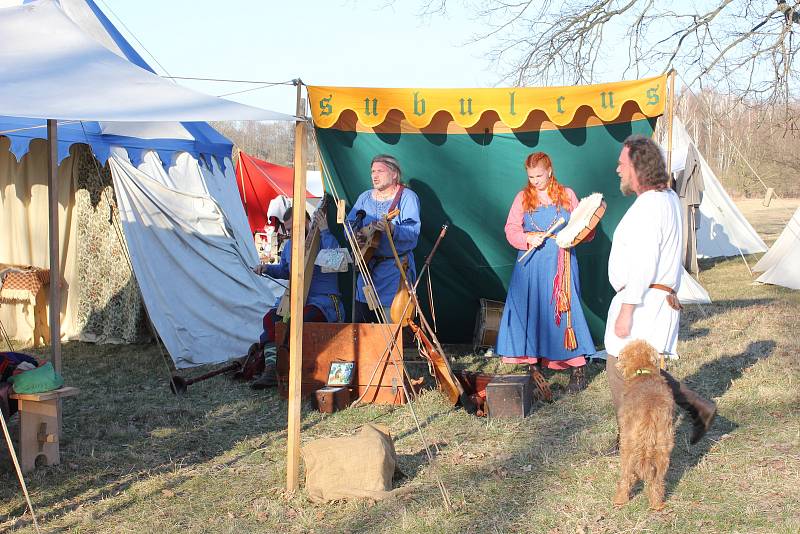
<point>184,225</point>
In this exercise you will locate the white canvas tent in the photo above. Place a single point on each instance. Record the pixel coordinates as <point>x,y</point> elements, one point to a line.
<point>690,290</point>
<point>185,228</point>
<point>722,230</point>
<point>781,264</point>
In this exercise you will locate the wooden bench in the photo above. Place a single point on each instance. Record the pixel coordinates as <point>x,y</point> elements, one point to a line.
<point>40,426</point>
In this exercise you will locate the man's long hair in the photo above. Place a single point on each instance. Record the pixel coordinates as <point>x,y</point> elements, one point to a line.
<point>648,162</point>
<point>556,191</point>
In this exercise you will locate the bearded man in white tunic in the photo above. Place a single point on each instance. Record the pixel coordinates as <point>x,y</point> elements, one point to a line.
<point>644,268</point>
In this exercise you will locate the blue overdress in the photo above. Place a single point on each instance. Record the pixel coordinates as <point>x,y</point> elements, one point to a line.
<point>383,268</point>
<point>528,326</point>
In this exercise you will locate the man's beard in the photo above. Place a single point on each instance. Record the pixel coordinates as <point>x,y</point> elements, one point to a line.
<point>625,187</point>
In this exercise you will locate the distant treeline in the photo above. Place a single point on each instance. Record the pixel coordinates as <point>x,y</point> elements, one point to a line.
<point>731,134</point>
<point>270,141</point>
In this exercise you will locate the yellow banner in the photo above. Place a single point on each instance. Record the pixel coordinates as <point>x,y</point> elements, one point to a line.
<point>466,106</point>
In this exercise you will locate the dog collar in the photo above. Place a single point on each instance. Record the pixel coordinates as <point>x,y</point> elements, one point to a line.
<point>643,372</point>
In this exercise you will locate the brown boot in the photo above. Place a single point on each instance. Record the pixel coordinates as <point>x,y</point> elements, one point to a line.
<point>577,379</point>
<point>701,410</point>
<point>542,386</point>
<point>268,378</point>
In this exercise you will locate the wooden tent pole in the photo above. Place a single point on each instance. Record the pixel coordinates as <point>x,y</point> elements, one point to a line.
<point>241,174</point>
<point>297,283</point>
<point>55,275</point>
<point>670,119</point>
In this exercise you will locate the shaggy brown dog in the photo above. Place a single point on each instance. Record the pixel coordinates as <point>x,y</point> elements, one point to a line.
<point>645,421</point>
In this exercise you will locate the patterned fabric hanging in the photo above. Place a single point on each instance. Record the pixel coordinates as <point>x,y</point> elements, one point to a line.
<point>110,306</point>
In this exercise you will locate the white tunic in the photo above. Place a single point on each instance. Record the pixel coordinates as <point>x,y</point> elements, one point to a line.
<point>646,249</point>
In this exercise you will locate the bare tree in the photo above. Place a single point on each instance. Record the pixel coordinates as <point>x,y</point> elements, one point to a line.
<point>745,48</point>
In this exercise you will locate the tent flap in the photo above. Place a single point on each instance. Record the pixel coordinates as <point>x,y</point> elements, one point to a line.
<point>210,308</point>
<point>781,263</point>
<point>259,182</point>
<point>722,230</point>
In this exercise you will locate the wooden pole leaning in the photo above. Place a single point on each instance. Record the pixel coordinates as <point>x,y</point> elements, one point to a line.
<point>55,275</point>
<point>670,120</point>
<point>297,283</point>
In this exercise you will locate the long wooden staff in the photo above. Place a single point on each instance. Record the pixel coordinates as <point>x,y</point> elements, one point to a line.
<point>547,234</point>
<point>13,454</point>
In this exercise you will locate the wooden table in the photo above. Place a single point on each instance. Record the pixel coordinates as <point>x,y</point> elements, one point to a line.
<point>26,284</point>
<point>40,426</point>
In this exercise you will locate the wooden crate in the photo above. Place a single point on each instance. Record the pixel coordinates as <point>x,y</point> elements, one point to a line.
<point>361,343</point>
<point>509,396</point>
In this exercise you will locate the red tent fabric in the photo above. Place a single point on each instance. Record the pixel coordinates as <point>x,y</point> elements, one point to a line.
<point>259,182</point>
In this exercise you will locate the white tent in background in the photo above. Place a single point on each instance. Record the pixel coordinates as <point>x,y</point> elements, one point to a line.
<point>691,292</point>
<point>722,230</point>
<point>184,226</point>
<point>314,183</point>
<point>781,264</point>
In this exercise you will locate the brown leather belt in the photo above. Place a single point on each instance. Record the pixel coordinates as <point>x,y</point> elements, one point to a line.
<point>662,287</point>
<point>672,297</point>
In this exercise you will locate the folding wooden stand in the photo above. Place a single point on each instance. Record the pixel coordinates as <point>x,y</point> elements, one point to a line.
<point>39,427</point>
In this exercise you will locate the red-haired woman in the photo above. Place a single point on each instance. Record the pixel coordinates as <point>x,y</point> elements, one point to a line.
<point>543,322</point>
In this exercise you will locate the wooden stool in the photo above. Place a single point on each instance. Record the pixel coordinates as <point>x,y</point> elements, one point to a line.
<point>39,426</point>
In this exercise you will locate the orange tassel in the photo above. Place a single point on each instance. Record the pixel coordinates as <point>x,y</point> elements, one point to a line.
<point>570,343</point>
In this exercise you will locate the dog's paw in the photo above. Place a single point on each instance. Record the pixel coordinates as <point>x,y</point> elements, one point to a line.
<point>621,499</point>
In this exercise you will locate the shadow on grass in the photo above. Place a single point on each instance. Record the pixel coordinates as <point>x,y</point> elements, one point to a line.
<point>488,476</point>
<point>692,314</point>
<point>126,426</point>
<point>712,380</point>
<point>495,479</point>
<point>708,263</point>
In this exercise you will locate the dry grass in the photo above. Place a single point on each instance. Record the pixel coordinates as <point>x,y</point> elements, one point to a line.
<point>136,459</point>
<point>768,220</point>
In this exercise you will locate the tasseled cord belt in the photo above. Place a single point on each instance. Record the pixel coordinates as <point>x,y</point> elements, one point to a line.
<point>562,297</point>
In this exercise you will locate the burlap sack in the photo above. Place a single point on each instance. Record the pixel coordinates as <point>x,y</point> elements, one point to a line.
<point>354,466</point>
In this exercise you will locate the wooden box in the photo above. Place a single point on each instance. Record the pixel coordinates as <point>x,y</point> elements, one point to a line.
<point>509,396</point>
<point>376,375</point>
<point>332,399</point>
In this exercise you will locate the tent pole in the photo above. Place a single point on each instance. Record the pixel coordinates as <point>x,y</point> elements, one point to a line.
<point>296,286</point>
<point>241,173</point>
<point>55,275</point>
<point>670,118</point>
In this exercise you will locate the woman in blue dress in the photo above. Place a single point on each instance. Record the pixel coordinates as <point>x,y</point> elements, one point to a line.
<point>543,322</point>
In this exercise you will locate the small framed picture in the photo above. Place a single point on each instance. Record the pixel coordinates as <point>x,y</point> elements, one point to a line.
<point>341,373</point>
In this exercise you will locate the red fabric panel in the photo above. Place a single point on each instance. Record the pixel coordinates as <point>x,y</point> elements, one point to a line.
<point>259,182</point>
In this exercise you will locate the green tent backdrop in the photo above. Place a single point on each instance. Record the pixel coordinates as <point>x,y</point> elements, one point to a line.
<point>468,177</point>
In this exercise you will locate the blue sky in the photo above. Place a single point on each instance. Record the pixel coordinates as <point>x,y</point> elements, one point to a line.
<point>339,42</point>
